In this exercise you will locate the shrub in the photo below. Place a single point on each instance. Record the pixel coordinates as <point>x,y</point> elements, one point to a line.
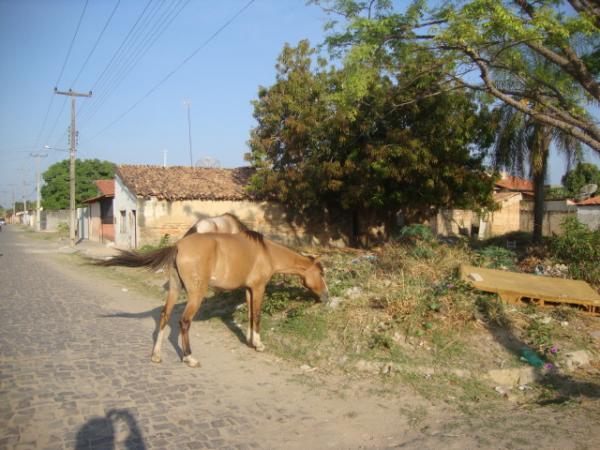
<point>496,257</point>
<point>579,248</point>
<point>414,233</point>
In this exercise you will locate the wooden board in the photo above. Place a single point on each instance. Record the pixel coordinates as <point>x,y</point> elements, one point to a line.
<point>520,287</point>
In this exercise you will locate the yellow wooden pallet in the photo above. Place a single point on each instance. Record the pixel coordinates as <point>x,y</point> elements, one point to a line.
<point>514,287</point>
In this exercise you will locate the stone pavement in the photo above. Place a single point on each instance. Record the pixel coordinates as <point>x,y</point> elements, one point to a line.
<point>73,377</point>
<point>75,373</point>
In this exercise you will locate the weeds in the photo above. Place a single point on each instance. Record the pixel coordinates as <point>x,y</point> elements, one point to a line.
<point>579,248</point>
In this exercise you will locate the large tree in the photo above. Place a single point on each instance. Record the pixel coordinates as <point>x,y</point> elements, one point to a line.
<point>583,174</point>
<point>475,38</point>
<point>314,150</point>
<point>55,192</point>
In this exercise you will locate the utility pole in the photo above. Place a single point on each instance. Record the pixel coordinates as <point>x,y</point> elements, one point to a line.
<point>73,152</point>
<point>37,157</point>
<point>188,103</point>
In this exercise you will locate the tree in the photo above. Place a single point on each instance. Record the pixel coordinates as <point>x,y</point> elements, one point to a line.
<point>312,150</point>
<point>55,192</point>
<point>584,173</point>
<point>479,37</point>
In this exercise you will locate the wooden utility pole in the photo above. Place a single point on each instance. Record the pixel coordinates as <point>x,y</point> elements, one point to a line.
<point>73,152</point>
<point>37,157</point>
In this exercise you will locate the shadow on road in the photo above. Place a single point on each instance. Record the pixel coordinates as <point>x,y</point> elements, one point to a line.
<point>117,429</point>
<point>222,305</point>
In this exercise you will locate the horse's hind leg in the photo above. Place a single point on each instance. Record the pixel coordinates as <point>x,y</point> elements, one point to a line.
<point>195,297</point>
<point>165,314</point>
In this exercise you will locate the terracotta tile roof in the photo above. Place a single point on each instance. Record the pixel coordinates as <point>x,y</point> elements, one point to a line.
<point>513,183</point>
<point>590,201</point>
<point>106,187</point>
<point>186,183</point>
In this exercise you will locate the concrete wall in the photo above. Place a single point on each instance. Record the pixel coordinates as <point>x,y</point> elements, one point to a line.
<point>159,217</point>
<point>50,220</point>
<point>454,222</point>
<point>506,219</point>
<point>555,212</point>
<point>589,215</point>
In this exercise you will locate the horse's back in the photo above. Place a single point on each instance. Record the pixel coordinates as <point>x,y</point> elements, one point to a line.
<point>231,259</point>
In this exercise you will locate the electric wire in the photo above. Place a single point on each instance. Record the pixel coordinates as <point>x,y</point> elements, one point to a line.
<point>153,35</point>
<point>120,56</point>
<point>177,68</point>
<point>114,10</point>
<point>61,74</point>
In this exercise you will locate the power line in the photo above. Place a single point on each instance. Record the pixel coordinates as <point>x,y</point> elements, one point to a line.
<point>124,55</point>
<point>179,66</point>
<point>160,26</point>
<point>71,46</point>
<point>121,46</point>
<point>37,139</point>
<point>96,43</point>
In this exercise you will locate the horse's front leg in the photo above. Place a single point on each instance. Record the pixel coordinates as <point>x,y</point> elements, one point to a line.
<point>257,294</point>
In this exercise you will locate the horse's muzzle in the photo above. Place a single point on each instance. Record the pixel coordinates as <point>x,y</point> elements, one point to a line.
<point>325,296</point>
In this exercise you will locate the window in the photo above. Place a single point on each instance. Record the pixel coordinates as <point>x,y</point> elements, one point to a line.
<point>122,227</point>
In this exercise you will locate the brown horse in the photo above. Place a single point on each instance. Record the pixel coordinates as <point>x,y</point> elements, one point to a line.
<point>223,261</point>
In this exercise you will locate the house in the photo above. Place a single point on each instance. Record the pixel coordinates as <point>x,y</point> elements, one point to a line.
<point>510,194</point>
<point>151,202</point>
<point>101,224</point>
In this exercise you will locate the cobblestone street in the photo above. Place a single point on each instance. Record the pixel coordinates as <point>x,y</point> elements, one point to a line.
<point>75,372</point>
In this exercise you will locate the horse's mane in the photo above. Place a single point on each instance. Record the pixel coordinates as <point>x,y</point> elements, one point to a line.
<point>254,235</point>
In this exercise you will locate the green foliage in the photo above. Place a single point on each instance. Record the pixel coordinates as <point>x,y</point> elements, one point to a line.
<point>55,192</point>
<point>416,232</point>
<point>164,241</point>
<point>518,41</point>
<point>313,149</point>
<point>579,248</point>
<point>495,257</point>
<point>539,335</point>
<point>584,173</point>
<point>557,193</point>
<point>63,228</point>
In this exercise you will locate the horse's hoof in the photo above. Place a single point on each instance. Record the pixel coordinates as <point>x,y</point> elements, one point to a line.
<point>191,362</point>
<point>260,347</point>
<point>156,359</point>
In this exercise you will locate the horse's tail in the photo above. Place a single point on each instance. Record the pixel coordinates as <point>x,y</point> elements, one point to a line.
<point>155,259</point>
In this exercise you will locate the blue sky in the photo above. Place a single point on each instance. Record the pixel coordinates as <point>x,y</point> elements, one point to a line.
<point>221,80</point>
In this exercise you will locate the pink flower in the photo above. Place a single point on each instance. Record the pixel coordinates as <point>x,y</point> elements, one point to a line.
<point>554,349</point>
<point>549,366</point>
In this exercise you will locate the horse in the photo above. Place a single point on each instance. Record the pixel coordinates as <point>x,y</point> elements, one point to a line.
<point>225,223</point>
<point>224,261</point>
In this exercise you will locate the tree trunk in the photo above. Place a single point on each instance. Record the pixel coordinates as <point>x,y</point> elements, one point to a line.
<point>539,167</point>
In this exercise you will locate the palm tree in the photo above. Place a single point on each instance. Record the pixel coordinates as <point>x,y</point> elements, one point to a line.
<point>523,143</point>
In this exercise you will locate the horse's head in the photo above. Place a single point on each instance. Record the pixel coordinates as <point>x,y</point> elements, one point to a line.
<point>314,279</point>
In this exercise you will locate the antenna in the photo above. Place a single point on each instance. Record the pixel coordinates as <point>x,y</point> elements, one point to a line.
<point>209,162</point>
<point>587,191</point>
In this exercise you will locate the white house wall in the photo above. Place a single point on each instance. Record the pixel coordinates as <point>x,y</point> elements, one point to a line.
<point>125,200</point>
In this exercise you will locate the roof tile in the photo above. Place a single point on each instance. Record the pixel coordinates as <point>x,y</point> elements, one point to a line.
<point>186,183</point>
